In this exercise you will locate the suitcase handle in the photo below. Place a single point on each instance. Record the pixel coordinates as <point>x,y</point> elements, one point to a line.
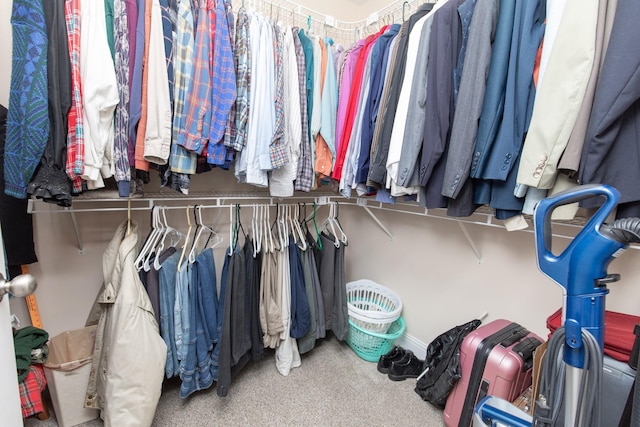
<point>516,336</point>
<point>525,350</point>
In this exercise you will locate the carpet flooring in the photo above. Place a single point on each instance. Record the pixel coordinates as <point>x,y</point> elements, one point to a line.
<point>333,387</point>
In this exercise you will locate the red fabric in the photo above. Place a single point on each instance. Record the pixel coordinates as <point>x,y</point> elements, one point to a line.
<point>618,332</point>
<point>352,105</point>
<point>30,391</point>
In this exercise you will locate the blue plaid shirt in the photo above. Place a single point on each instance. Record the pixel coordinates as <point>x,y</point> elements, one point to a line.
<point>181,159</point>
<point>223,88</point>
<point>195,133</point>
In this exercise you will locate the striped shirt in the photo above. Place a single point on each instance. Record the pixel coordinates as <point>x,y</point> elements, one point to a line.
<point>243,79</point>
<point>304,177</point>
<point>278,149</point>
<point>121,137</point>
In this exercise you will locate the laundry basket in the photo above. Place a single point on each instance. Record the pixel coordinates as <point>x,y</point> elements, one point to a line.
<point>371,345</point>
<point>371,306</point>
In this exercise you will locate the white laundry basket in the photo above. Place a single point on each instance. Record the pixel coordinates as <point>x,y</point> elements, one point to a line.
<point>372,306</point>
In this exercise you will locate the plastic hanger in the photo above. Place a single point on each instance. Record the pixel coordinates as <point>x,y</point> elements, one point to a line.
<point>158,245</point>
<point>270,244</point>
<point>168,231</point>
<point>201,227</point>
<point>296,229</point>
<point>329,225</point>
<point>151,239</point>
<point>343,236</point>
<point>186,241</point>
<point>231,230</point>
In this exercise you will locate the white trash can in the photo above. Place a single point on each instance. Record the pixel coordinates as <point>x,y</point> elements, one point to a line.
<point>67,370</point>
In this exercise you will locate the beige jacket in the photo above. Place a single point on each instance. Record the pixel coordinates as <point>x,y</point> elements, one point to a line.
<point>129,354</point>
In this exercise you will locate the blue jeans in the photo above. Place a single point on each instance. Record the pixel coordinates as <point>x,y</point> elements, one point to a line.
<point>167,302</point>
<point>202,289</point>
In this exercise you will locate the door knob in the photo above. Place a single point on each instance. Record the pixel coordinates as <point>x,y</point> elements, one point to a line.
<point>21,286</point>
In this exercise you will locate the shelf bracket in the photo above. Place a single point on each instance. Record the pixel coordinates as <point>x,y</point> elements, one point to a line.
<point>76,231</point>
<point>474,248</point>
<point>363,203</point>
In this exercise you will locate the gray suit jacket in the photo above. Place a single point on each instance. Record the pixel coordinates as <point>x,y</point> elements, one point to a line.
<point>414,128</point>
<point>470,96</point>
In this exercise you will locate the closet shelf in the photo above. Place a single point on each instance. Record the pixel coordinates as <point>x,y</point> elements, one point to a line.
<point>108,201</point>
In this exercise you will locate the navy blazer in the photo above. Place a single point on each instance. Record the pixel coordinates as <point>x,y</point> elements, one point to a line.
<point>611,153</point>
<point>496,160</point>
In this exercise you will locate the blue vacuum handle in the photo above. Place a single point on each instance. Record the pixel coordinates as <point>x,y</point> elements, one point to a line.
<point>581,268</point>
<point>586,258</point>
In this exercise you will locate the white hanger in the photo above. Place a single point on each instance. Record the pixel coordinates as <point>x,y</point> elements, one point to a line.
<point>343,236</point>
<point>329,225</point>
<point>164,230</point>
<point>298,228</point>
<point>151,239</point>
<point>213,236</point>
<point>186,240</point>
<point>168,231</point>
<point>266,224</point>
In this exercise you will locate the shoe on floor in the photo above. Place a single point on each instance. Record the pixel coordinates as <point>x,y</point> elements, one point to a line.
<point>408,367</point>
<point>394,355</point>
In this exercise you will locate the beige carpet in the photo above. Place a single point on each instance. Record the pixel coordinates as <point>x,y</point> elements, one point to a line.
<point>333,387</point>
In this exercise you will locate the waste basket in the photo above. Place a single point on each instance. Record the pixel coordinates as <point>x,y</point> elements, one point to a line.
<point>67,371</point>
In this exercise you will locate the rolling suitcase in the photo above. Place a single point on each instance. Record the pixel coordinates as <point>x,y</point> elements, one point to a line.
<point>495,359</point>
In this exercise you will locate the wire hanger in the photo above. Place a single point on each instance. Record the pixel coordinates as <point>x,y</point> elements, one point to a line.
<point>406,3</point>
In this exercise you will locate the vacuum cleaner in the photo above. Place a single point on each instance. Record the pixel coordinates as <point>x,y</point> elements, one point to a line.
<point>572,370</point>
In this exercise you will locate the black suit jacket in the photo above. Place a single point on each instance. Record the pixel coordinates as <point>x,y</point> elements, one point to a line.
<point>611,153</point>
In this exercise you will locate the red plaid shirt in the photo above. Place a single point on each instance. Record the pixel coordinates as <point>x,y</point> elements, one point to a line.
<point>75,138</point>
<point>30,391</point>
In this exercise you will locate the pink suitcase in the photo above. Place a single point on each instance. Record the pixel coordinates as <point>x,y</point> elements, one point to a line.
<point>496,360</point>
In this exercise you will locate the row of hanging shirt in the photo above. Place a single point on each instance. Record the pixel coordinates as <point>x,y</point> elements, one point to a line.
<point>176,84</point>
<point>437,108</point>
<point>282,288</point>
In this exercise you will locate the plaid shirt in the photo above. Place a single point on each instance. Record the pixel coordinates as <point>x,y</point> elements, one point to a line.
<point>223,93</point>
<point>278,148</point>
<point>75,140</point>
<point>230,130</point>
<point>181,159</point>
<point>31,391</point>
<point>194,135</point>
<point>304,177</point>
<point>121,137</point>
<point>243,79</point>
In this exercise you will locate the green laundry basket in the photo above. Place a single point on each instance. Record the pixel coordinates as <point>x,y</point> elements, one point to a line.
<point>370,345</point>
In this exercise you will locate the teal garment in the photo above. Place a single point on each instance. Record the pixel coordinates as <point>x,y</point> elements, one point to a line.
<point>25,340</point>
<point>329,102</point>
<point>307,47</point>
<point>108,13</point>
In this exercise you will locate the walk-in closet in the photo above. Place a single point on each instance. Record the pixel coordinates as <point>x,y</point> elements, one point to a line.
<point>403,217</point>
